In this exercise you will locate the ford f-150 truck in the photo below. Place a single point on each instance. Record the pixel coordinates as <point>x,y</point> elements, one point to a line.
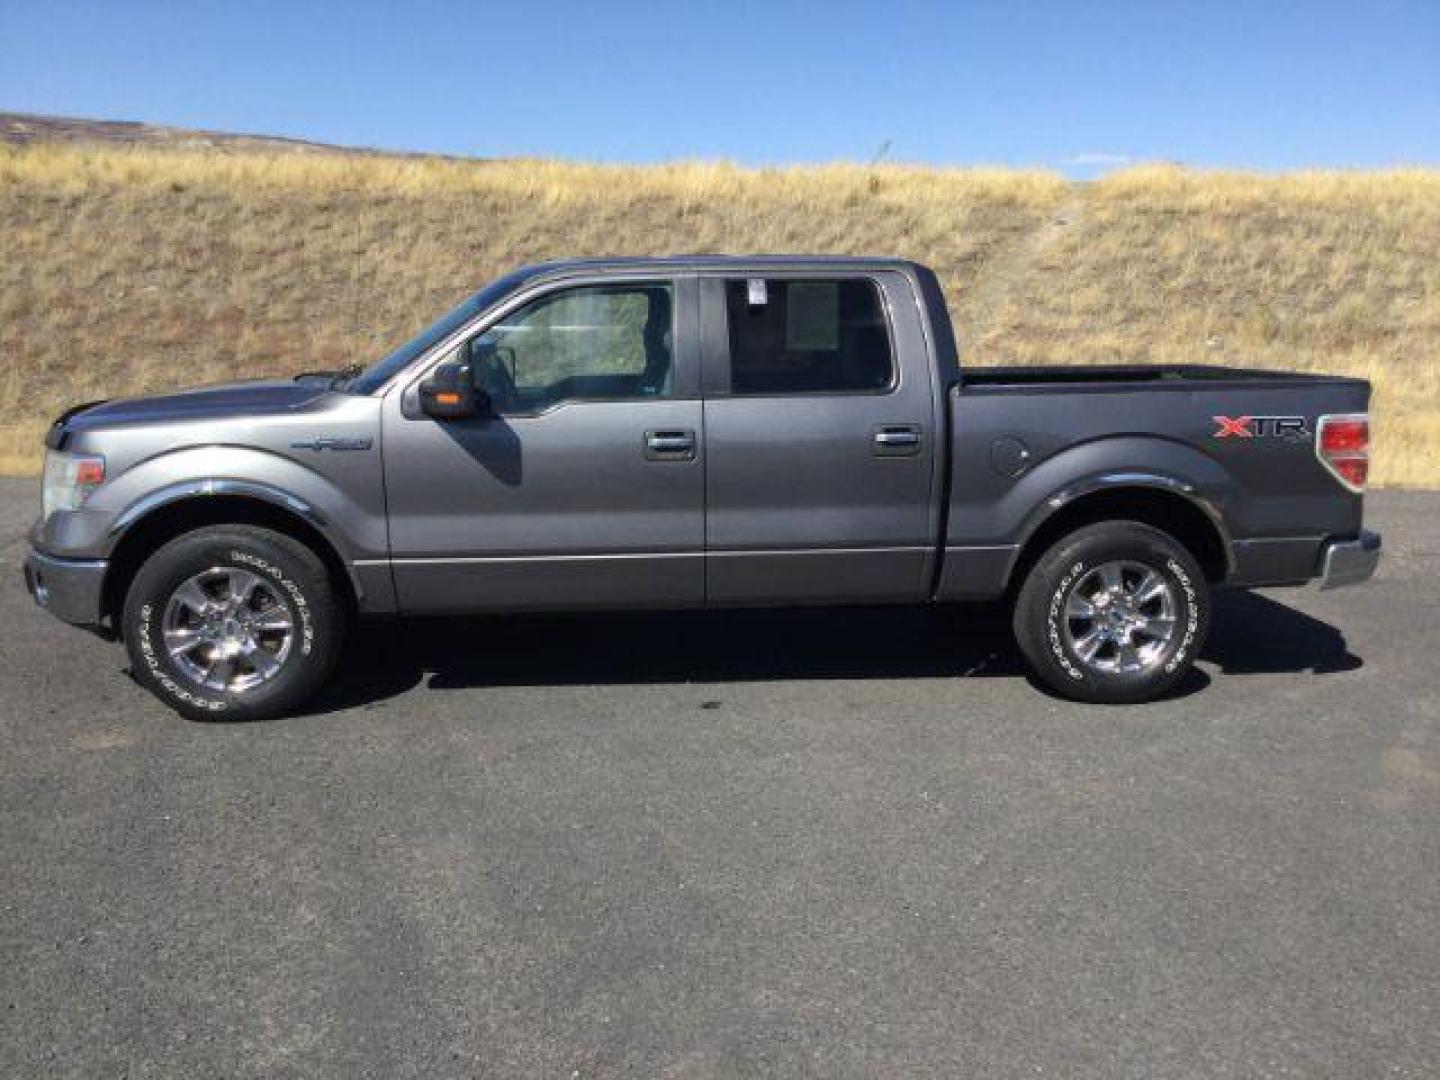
<point>693,432</point>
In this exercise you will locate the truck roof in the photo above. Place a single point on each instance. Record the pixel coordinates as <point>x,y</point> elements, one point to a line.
<point>738,263</point>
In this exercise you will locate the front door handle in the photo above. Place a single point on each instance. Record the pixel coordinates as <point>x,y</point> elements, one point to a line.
<point>896,440</point>
<point>670,445</point>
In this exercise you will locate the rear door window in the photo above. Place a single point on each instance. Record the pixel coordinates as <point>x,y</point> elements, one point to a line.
<point>792,336</point>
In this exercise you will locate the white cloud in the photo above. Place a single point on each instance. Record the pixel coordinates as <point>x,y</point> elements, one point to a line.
<point>1097,157</point>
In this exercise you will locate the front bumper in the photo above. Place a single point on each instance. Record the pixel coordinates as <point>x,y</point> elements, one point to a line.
<point>1349,562</point>
<point>69,589</point>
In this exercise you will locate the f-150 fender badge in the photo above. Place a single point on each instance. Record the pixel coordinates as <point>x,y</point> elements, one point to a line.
<point>1260,427</point>
<point>330,443</point>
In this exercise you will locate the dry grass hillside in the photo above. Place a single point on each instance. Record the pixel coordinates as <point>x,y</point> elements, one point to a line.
<point>131,270</point>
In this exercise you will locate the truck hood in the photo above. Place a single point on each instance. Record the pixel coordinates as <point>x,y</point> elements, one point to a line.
<point>227,401</point>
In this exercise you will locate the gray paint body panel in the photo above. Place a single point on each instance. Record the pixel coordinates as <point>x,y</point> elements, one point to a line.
<point>1158,436</point>
<point>563,509</point>
<point>799,504</point>
<point>568,485</point>
<point>784,499</point>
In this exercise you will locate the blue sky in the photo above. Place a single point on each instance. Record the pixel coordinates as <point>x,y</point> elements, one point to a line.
<point>1077,86</point>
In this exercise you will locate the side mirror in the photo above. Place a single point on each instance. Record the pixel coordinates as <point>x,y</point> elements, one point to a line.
<point>450,393</point>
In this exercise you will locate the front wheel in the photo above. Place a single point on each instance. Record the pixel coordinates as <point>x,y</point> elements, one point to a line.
<point>233,622</point>
<point>1113,613</point>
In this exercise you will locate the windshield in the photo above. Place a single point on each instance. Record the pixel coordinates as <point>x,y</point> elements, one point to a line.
<point>383,370</point>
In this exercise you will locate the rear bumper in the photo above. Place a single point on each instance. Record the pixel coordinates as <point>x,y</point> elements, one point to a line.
<point>70,589</point>
<point>1349,562</point>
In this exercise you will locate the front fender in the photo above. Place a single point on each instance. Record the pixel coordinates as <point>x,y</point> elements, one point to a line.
<point>355,530</point>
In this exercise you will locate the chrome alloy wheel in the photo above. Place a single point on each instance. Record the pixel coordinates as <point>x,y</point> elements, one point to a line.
<point>1120,616</point>
<point>228,629</point>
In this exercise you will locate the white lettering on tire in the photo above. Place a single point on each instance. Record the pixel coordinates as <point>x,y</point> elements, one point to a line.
<point>163,678</point>
<point>1192,616</point>
<point>302,606</point>
<point>1062,587</point>
<point>1052,621</point>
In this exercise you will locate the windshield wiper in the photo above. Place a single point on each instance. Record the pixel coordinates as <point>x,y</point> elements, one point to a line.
<point>346,374</point>
<point>334,378</point>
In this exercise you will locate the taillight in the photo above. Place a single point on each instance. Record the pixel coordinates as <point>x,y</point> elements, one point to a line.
<point>1342,444</point>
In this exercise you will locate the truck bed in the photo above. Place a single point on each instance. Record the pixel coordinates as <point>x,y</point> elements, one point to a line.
<point>1153,376</point>
<point>1023,438</point>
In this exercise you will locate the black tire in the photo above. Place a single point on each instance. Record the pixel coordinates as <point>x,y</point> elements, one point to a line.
<point>292,576</point>
<point>1047,630</point>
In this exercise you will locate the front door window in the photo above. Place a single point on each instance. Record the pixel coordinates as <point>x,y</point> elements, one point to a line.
<point>596,342</point>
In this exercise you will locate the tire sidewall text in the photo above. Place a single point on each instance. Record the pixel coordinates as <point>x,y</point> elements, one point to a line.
<point>1178,653</point>
<point>167,678</point>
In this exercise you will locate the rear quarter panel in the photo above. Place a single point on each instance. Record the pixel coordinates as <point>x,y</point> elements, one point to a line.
<point>1264,491</point>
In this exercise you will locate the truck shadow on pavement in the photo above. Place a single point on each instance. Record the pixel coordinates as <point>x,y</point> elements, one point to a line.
<point>1250,634</point>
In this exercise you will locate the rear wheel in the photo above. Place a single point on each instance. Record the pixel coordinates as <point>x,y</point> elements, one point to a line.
<point>1113,613</point>
<point>233,622</point>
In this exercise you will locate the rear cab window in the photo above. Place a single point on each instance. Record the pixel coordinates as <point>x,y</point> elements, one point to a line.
<point>807,336</point>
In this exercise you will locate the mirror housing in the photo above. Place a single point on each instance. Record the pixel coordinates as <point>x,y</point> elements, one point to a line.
<point>450,393</point>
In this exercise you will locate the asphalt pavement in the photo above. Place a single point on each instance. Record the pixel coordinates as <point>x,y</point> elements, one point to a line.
<point>817,843</point>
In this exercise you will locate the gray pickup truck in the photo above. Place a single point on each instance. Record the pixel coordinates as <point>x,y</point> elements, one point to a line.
<point>693,432</point>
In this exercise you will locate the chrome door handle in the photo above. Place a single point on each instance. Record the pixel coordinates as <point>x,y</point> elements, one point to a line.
<point>677,445</point>
<point>897,440</point>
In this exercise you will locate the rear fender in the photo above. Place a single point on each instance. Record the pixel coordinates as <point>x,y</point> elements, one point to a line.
<point>990,528</point>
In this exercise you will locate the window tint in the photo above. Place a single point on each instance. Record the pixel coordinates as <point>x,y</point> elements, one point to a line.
<point>799,337</point>
<point>600,341</point>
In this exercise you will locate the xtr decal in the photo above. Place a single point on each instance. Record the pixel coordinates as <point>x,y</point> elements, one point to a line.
<point>1260,427</point>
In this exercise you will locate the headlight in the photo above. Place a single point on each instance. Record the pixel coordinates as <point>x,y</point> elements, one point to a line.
<point>69,480</point>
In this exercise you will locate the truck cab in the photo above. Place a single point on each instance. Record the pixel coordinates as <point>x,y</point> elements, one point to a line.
<point>674,435</point>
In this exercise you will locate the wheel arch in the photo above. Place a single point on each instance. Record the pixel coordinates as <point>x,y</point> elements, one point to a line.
<point>155,521</point>
<point>1165,503</point>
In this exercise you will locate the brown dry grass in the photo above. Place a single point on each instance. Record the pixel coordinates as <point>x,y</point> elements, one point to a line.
<point>128,271</point>
<point>1324,272</point>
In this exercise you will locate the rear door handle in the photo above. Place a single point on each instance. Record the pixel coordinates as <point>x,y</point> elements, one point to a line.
<point>896,440</point>
<point>670,445</point>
